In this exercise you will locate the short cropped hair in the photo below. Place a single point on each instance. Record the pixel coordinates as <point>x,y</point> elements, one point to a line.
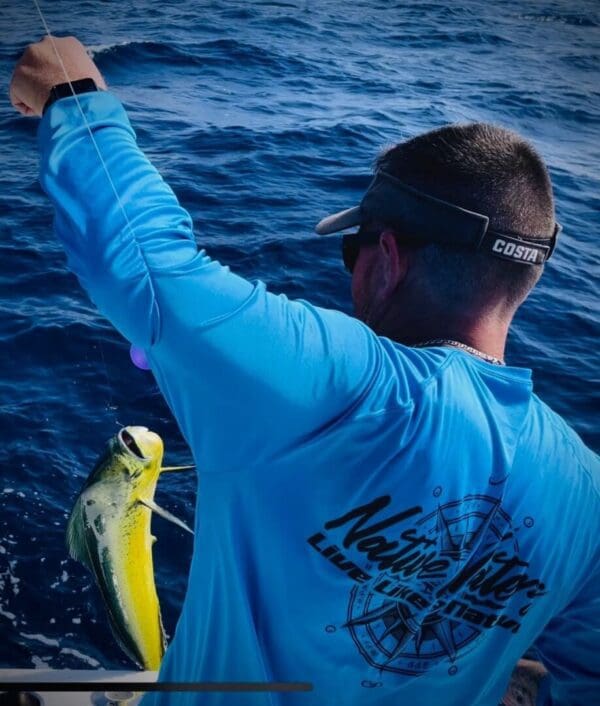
<point>483,168</point>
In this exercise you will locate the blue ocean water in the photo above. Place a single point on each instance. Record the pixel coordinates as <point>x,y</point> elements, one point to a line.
<point>263,116</point>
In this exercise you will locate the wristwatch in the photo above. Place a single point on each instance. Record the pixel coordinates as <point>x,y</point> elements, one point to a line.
<point>64,90</point>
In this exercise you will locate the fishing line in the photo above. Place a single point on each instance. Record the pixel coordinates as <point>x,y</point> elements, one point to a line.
<point>128,225</point>
<point>87,125</point>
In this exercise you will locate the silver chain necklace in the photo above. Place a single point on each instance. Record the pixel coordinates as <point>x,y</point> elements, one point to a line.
<point>463,346</point>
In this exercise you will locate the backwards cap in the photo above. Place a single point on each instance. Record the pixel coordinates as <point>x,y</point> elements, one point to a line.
<point>427,219</point>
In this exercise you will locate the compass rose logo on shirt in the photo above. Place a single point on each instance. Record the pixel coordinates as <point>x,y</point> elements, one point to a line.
<point>431,584</point>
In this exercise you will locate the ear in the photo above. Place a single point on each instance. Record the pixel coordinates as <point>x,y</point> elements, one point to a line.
<point>395,261</point>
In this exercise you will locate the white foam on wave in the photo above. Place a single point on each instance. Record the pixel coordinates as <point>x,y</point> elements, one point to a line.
<point>84,658</point>
<point>95,49</point>
<point>8,614</point>
<point>8,578</point>
<point>41,638</point>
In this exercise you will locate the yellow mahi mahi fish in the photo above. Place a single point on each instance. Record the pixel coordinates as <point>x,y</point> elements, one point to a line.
<point>109,532</point>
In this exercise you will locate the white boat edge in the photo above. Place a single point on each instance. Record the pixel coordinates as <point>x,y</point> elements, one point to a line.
<point>102,693</point>
<point>69,676</point>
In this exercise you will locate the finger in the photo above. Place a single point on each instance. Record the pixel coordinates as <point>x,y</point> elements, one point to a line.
<point>23,109</point>
<point>13,89</point>
<point>17,98</point>
<point>12,94</point>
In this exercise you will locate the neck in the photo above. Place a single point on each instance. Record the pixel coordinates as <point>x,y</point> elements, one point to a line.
<point>484,333</point>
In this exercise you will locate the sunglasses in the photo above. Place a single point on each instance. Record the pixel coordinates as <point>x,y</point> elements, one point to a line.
<point>352,243</point>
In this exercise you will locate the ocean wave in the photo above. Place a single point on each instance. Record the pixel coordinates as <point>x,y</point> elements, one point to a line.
<point>576,20</point>
<point>215,53</point>
<point>132,50</point>
<point>96,50</point>
<point>587,62</point>
<point>468,37</point>
<point>244,140</point>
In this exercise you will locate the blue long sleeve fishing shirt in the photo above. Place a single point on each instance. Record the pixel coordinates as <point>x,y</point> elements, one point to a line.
<point>393,525</point>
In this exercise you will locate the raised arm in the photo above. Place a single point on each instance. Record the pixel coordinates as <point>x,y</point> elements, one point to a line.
<point>245,372</point>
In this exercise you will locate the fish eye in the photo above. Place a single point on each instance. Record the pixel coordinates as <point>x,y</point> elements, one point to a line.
<point>128,442</point>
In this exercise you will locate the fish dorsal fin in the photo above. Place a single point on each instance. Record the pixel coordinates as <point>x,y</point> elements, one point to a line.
<point>176,468</point>
<point>165,513</point>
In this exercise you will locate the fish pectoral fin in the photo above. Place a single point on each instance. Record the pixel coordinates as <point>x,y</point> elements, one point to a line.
<point>76,535</point>
<point>176,468</point>
<point>165,513</point>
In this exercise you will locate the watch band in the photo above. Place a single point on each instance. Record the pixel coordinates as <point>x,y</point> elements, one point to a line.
<point>65,90</point>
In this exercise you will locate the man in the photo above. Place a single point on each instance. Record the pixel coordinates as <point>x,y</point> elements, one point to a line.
<point>385,510</point>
